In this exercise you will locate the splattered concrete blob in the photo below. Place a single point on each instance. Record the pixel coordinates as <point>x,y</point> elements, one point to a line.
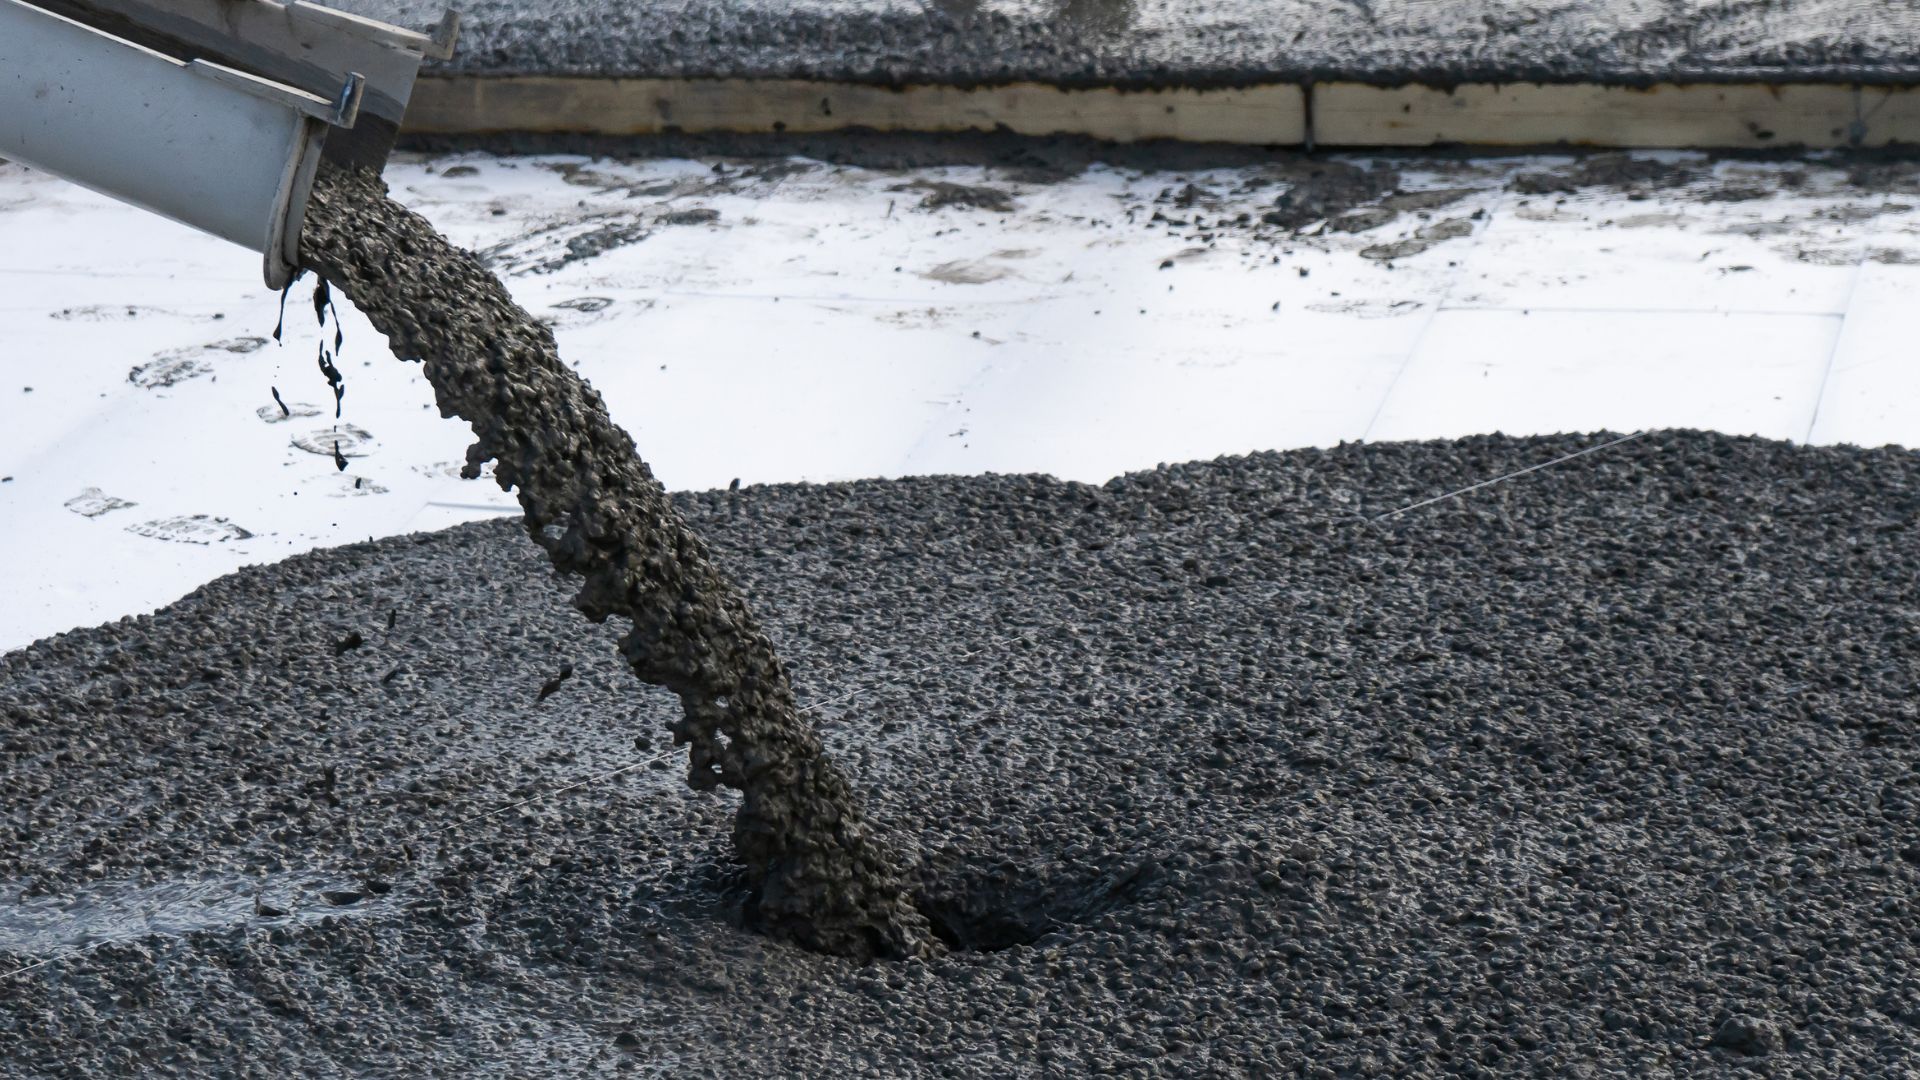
<point>275,414</point>
<point>1367,309</point>
<point>191,529</point>
<point>92,502</point>
<point>343,440</point>
<point>176,366</point>
<point>557,246</point>
<point>967,272</point>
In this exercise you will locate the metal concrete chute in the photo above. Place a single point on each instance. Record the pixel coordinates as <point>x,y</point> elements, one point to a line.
<point>214,113</point>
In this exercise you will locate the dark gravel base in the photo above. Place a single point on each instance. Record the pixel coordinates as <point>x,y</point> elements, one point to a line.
<point>1153,43</point>
<point>1608,770</point>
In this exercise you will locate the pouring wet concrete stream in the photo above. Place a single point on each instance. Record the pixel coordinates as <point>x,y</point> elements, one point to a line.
<point>1607,770</point>
<point>595,508</point>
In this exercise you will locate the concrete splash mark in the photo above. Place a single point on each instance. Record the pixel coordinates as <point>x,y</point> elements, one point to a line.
<point>191,529</point>
<point>698,215</point>
<point>453,470</point>
<point>1631,172</point>
<point>555,247</point>
<point>942,194</point>
<point>1367,309</point>
<point>121,313</point>
<point>1423,238</point>
<point>818,877</point>
<point>349,487</point>
<point>1328,190</point>
<point>178,365</point>
<point>587,310</point>
<point>337,440</point>
<point>93,502</point>
<point>967,272</point>
<point>166,371</point>
<point>292,410</point>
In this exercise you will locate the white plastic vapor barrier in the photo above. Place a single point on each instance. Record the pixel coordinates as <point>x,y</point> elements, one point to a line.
<point>207,146</point>
<point>797,320</point>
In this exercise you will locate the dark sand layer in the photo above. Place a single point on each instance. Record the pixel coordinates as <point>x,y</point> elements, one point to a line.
<point>1608,770</point>
<point>1179,42</point>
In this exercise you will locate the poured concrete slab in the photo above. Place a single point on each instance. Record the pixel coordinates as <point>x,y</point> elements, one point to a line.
<point>1814,73</point>
<point>1166,43</point>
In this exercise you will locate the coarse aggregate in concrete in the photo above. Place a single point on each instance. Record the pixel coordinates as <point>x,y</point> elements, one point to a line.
<point>1608,770</point>
<point>815,873</point>
<point>1169,43</point>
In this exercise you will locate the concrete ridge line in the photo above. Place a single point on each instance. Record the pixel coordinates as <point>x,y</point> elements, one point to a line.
<point>1676,115</point>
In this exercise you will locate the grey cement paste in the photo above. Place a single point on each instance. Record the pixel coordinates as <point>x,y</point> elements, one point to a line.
<point>592,504</point>
<point>1608,771</point>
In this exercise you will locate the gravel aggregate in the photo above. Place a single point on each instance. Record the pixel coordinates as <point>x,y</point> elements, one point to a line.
<point>1157,43</point>
<point>1608,770</point>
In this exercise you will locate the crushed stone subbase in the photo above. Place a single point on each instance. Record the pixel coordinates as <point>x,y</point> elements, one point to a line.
<point>593,505</point>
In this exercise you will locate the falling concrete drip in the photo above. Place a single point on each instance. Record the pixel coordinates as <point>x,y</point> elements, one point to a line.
<point>820,878</point>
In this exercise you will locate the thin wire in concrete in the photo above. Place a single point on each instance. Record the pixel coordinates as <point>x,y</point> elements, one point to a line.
<point>51,960</point>
<point>1508,476</point>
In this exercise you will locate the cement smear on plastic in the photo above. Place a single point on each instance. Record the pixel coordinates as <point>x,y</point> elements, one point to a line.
<point>599,514</point>
<point>1610,770</point>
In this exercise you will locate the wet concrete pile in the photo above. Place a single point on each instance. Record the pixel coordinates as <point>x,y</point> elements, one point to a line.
<point>593,505</point>
<point>1610,770</point>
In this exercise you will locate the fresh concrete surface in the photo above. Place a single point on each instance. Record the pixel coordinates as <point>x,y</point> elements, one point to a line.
<point>1161,43</point>
<point>1807,73</point>
<point>1608,771</point>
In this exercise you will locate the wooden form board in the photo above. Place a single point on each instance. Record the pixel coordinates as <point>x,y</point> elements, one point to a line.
<point>1734,115</point>
<point>1751,115</point>
<point>1264,114</point>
